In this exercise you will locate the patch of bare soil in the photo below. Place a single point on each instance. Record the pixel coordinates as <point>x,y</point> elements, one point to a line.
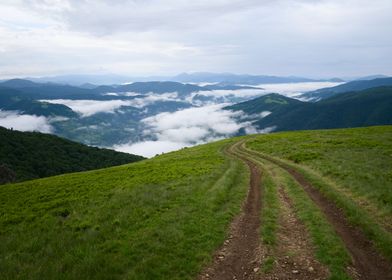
<point>294,254</point>
<point>239,257</point>
<point>367,262</point>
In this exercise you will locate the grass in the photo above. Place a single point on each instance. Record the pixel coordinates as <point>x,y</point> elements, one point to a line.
<point>359,160</point>
<point>355,214</point>
<point>270,212</point>
<point>269,217</point>
<point>329,248</point>
<point>157,219</point>
<point>163,218</point>
<point>346,188</point>
<point>268,264</point>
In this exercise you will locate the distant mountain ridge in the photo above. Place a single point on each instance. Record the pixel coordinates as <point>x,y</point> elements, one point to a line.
<point>194,77</point>
<point>243,79</point>
<point>350,86</point>
<point>371,77</point>
<point>122,109</point>
<point>351,109</point>
<point>35,90</point>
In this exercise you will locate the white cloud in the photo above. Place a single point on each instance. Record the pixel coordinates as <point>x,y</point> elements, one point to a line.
<point>150,148</point>
<point>211,117</point>
<point>12,119</point>
<point>90,107</point>
<point>151,98</point>
<point>264,114</point>
<point>184,134</point>
<point>295,89</point>
<point>158,37</point>
<point>287,89</point>
<point>226,95</point>
<point>255,116</point>
<point>130,93</point>
<point>184,128</point>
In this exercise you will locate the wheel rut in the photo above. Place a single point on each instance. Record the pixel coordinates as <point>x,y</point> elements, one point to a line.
<point>368,263</point>
<point>294,253</point>
<point>239,257</point>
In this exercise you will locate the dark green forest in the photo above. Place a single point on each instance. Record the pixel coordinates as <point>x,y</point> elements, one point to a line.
<point>350,109</point>
<point>30,155</point>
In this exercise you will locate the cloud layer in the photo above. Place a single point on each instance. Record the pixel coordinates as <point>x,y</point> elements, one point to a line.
<point>90,107</point>
<point>171,131</point>
<point>293,90</point>
<point>205,121</point>
<point>12,119</point>
<point>283,37</point>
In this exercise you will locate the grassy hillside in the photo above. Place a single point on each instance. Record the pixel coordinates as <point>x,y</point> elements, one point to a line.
<point>156,219</point>
<point>358,160</point>
<point>35,155</point>
<point>163,218</point>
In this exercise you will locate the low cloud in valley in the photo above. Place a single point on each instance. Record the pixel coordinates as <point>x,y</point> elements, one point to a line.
<point>170,131</point>
<point>17,121</point>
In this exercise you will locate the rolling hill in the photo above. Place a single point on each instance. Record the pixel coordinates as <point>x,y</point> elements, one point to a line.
<point>352,109</point>
<point>15,100</point>
<point>357,85</point>
<point>325,199</point>
<point>271,103</point>
<point>29,155</point>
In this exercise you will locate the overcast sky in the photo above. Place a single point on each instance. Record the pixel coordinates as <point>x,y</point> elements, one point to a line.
<point>315,38</point>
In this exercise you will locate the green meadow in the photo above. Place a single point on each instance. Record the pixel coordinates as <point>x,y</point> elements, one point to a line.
<point>163,218</point>
<point>156,219</point>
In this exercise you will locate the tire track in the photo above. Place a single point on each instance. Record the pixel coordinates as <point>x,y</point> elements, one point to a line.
<point>239,257</point>
<point>368,263</point>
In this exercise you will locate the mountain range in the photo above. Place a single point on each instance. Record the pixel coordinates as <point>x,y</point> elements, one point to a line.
<point>196,77</point>
<point>350,109</point>
<point>111,115</point>
<point>357,85</point>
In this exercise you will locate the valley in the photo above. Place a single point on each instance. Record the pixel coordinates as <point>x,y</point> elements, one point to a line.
<point>148,118</point>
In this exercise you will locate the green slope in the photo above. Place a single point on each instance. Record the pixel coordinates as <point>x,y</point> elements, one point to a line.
<point>351,167</point>
<point>35,155</point>
<point>155,219</point>
<point>163,218</point>
<point>358,159</point>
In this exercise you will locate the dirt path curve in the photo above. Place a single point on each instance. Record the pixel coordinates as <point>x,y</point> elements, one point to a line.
<point>239,257</point>
<point>368,263</point>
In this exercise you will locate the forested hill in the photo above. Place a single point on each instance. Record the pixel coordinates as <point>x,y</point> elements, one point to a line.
<point>351,109</point>
<point>29,155</point>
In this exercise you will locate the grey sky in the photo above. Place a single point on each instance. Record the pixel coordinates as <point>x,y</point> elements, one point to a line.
<point>163,37</point>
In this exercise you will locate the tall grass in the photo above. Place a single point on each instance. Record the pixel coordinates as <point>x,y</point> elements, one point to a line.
<point>157,219</point>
